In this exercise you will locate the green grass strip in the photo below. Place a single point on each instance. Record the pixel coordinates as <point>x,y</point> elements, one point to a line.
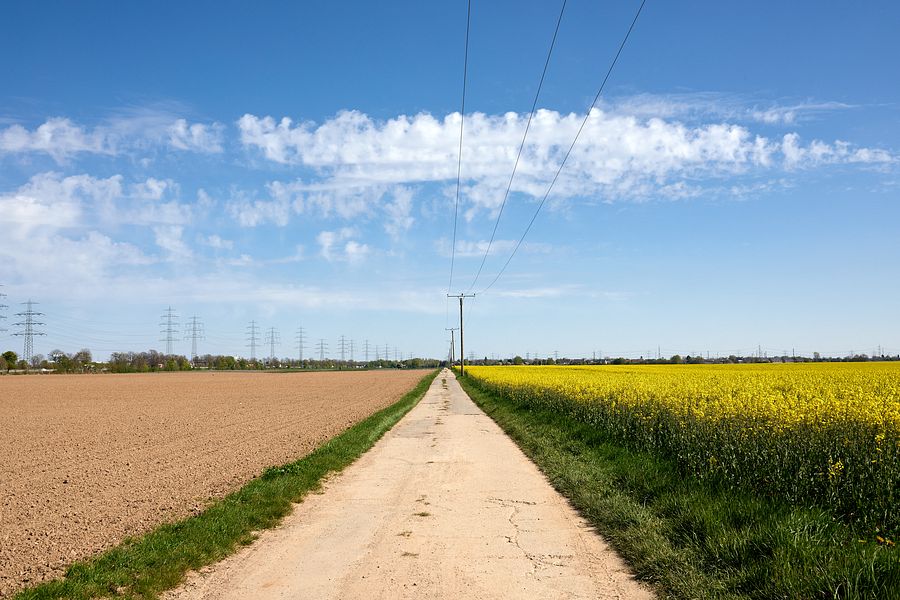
<point>687,538</point>
<point>145,566</point>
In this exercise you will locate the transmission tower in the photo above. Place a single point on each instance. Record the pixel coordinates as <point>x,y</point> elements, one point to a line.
<point>252,338</point>
<point>322,348</point>
<point>169,329</point>
<point>3,307</point>
<point>351,350</point>
<point>28,330</point>
<point>301,342</point>
<point>272,339</point>
<point>367,350</point>
<point>194,332</point>
<point>342,344</point>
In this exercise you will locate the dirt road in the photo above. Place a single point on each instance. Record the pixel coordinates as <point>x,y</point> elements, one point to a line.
<point>444,506</point>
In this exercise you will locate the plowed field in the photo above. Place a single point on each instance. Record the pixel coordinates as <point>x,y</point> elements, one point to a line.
<point>87,460</point>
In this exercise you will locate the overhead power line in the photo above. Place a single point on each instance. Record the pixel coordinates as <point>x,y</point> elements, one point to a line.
<point>521,145</point>
<point>571,146</point>
<point>462,120</point>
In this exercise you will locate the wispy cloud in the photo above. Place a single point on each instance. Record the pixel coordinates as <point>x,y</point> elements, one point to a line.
<point>197,137</point>
<point>340,246</point>
<point>477,248</point>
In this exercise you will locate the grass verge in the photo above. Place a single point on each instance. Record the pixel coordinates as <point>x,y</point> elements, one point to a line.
<point>145,566</point>
<point>687,538</point>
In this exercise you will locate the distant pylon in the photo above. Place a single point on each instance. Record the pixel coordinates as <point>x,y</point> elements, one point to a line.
<point>301,342</point>
<point>252,338</point>
<point>367,350</point>
<point>342,344</point>
<point>272,339</point>
<point>28,330</point>
<point>322,348</point>
<point>194,332</point>
<point>351,350</point>
<point>169,331</point>
<point>3,307</point>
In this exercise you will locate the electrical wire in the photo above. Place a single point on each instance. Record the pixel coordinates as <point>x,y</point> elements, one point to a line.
<point>521,145</point>
<point>571,146</point>
<point>462,120</point>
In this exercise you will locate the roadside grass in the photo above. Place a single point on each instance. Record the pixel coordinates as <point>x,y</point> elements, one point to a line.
<point>687,538</point>
<point>143,567</point>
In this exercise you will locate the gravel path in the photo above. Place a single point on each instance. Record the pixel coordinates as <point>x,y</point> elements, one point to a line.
<point>444,506</point>
<point>87,460</point>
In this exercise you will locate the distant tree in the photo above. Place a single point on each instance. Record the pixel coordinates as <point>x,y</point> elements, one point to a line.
<point>83,356</point>
<point>36,360</point>
<point>61,361</point>
<point>518,360</point>
<point>676,359</point>
<point>11,359</point>
<point>3,365</point>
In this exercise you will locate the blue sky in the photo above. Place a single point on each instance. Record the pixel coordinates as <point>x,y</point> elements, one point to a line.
<point>294,164</point>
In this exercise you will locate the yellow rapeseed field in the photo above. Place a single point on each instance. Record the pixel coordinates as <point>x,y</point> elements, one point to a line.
<point>816,434</point>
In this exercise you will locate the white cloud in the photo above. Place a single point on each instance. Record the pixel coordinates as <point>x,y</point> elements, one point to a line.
<point>398,212</point>
<point>618,154</point>
<point>61,138</point>
<point>215,241</point>
<point>355,251</point>
<point>153,189</point>
<point>706,106</point>
<point>52,201</point>
<point>198,137</point>
<point>251,213</point>
<point>58,137</point>
<point>477,248</point>
<point>339,246</point>
<point>817,153</point>
<point>168,237</point>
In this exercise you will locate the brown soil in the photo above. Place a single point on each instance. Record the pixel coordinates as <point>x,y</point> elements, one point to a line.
<point>87,460</point>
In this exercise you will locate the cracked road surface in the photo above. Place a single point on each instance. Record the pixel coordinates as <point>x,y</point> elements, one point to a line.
<point>444,506</point>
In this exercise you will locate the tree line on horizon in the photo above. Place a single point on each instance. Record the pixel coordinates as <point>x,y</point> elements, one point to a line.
<point>154,361</point>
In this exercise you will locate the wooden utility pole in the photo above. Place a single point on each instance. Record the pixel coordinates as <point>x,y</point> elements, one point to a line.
<point>452,343</point>
<point>462,355</point>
